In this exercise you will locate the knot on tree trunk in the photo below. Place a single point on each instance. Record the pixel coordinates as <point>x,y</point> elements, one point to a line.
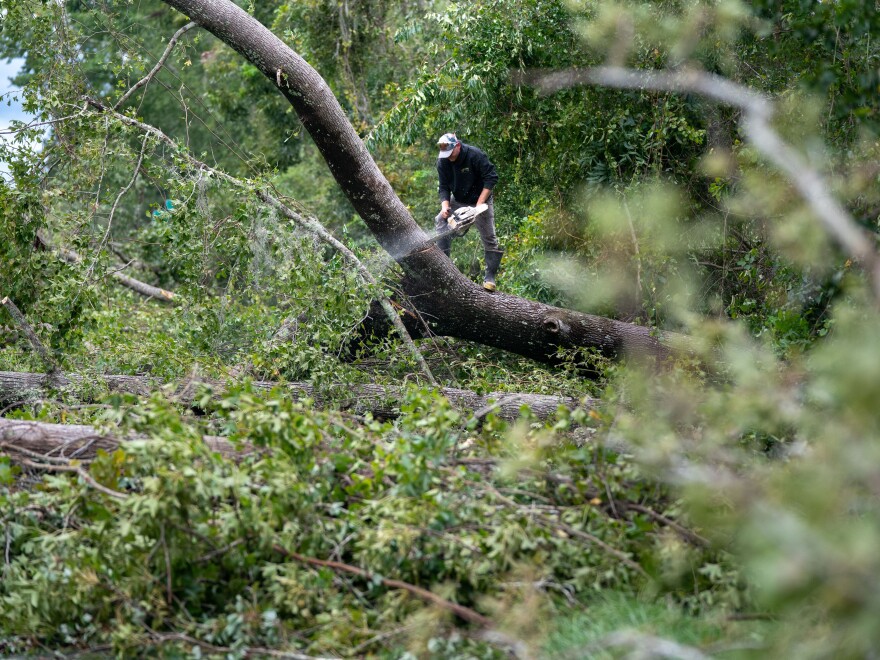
<point>556,326</point>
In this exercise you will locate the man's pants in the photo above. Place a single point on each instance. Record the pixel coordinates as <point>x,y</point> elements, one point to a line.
<point>485,225</point>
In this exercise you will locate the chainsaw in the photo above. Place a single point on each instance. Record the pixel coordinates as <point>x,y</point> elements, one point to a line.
<point>460,221</point>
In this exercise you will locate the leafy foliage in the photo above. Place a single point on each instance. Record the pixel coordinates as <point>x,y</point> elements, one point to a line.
<point>198,544</point>
<point>740,483</point>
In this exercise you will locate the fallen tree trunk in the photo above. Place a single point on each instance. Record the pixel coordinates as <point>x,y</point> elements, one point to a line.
<point>68,442</point>
<point>437,292</point>
<point>381,402</point>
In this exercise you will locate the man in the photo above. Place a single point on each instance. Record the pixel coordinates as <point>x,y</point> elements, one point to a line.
<point>467,178</point>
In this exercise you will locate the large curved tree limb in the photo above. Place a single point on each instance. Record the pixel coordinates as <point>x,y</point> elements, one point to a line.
<point>450,302</point>
<point>66,442</point>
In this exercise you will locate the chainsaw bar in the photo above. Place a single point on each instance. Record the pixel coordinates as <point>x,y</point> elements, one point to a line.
<point>460,221</point>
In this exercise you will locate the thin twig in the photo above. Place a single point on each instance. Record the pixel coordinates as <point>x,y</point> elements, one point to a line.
<point>78,470</point>
<point>757,112</point>
<point>168,579</point>
<point>381,637</point>
<point>687,534</point>
<point>164,58</point>
<point>134,175</point>
<point>635,240</point>
<point>10,447</point>
<point>465,613</point>
<point>219,551</point>
<point>549,523</point>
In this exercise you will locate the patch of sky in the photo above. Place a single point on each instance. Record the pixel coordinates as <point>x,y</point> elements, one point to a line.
<point>10,106</point>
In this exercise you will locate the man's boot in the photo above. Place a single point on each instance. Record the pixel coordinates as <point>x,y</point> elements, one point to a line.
<point>493,261</point>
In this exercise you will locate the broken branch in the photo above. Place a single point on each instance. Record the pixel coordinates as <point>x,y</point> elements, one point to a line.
<point>164,58</point>
<point>51,365</point>
<point>137,286</point>
<point>462,612</point>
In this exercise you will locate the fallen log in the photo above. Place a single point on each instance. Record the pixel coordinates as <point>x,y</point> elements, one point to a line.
<point>72,257</point>
<point>381,402</point>
<point>68,442</point>
<point>45,354</point>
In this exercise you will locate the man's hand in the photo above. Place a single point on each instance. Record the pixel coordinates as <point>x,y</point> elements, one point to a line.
<point>444,211</point>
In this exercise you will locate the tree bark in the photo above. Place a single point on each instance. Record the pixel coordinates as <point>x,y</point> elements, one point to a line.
<point>449,302</point>
<point>79,442</point>
<point>381,402</point>
<point>45,355</point>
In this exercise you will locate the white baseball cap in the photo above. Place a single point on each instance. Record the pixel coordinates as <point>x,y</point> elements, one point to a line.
<point>446,144</point>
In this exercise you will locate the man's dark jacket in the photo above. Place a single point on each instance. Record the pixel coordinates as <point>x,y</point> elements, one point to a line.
<point>467,176</point>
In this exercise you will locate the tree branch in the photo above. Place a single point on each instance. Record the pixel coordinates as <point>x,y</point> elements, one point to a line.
<point>78,469</point>
<point>757,112</point>
<point>309,223</point>
<point>50,363</point>
<point>146,79</point>
<point>137,286</point>
<point>462,612</point>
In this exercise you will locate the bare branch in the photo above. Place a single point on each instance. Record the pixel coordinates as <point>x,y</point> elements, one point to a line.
<point>134,175</point>
<point>685,533</point>
<point>79,470</point>
<point>757,112</point>
<point>135,285</point>
<point>50,363</point>
<point>146,79</point>
<point>462,612</point>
